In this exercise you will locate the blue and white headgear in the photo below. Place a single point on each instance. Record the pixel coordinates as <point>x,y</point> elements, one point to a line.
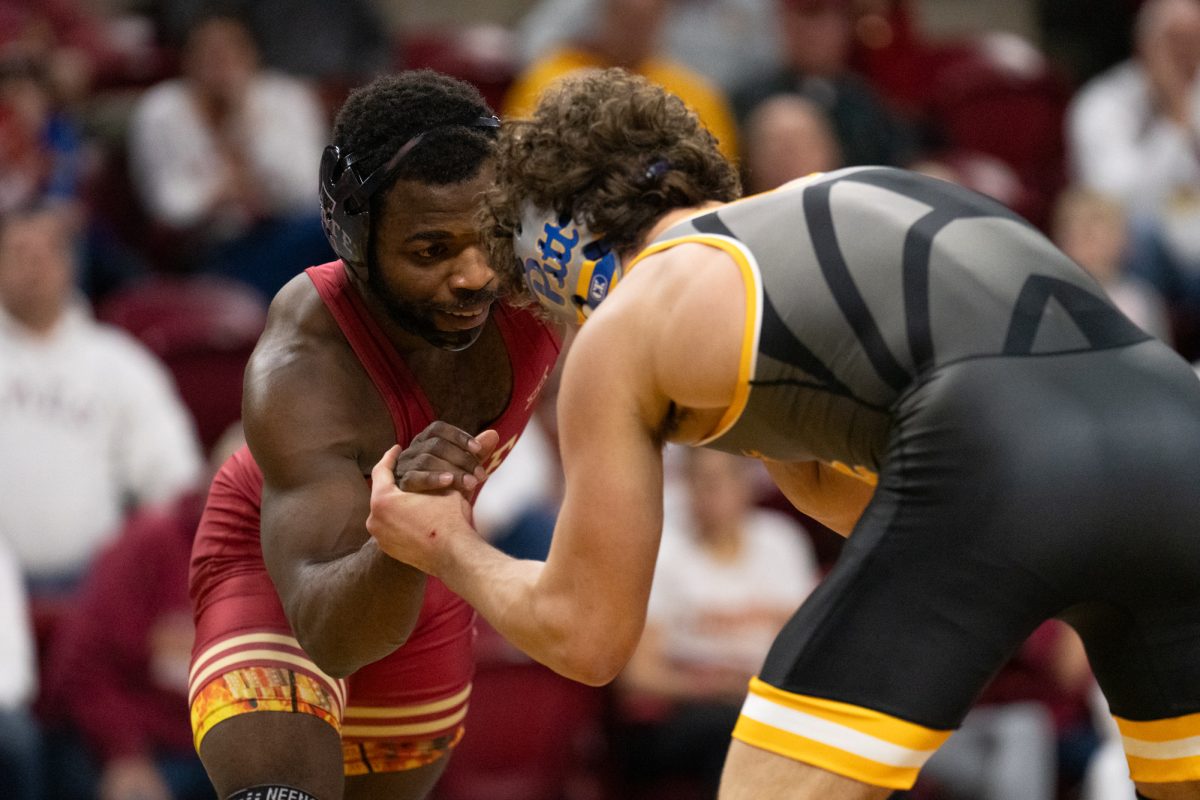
<point>567,267</point>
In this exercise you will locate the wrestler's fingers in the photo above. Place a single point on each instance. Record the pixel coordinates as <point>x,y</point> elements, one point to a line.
<point>419,480</point>
<point>383,471</point>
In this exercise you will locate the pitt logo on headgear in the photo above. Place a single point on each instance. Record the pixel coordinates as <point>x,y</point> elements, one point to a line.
<point>568,269</point>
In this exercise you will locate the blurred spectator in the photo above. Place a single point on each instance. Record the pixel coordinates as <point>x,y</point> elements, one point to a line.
<point>728,576</point>
<point>787,137</point>
<point>228,155</point>
<point>73,45</point>
<point>20,737</point>
<point>1091,228</point>
<point>45,158</point>
<point>626,34</point>
<point>122,653</point>
<point>349,41</point>
<point>817,39</point>
<point>1134,133</point>
<point>41,150</point>
<point>80,396</point>
<point>730,42</point>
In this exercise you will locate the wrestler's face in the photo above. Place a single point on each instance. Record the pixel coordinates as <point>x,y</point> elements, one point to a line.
<point>428,267</point>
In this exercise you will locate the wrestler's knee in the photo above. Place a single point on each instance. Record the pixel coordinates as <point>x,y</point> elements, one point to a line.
<point>409,784</point>
<point>754,774</point>
<point>298,751</point>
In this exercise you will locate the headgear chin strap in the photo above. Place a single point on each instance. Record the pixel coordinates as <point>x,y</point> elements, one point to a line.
<point>567,267</point>
<point>346,197</point>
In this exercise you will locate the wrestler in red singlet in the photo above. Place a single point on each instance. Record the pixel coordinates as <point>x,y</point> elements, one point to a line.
<point>406,709</point>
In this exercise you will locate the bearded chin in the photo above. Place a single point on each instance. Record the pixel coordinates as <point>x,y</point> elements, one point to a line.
<point>416,320</point>
<point>446,340</point>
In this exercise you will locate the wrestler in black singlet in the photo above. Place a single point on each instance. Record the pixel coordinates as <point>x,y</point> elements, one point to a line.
<point>1037,455</point>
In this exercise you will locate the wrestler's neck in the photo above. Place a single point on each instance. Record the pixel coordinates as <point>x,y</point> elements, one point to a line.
<point>674,217</point>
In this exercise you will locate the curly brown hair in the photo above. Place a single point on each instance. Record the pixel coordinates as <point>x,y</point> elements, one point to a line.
<point>609,148</point>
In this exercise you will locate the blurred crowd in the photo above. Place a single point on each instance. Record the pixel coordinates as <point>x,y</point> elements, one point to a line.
<point>158,174</point>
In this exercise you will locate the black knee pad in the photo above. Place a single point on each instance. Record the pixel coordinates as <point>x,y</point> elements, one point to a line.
<point>271,791</point>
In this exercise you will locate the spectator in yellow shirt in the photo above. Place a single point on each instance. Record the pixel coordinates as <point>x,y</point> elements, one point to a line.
<point>627,35</point>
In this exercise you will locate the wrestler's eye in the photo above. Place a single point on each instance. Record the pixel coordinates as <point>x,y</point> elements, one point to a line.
<point>431,253</point>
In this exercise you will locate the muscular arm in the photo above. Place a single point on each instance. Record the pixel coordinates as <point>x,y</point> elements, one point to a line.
<point>582,611</point>
<point>347,603</point>
<point>831,497</point>
<point>313,422</point>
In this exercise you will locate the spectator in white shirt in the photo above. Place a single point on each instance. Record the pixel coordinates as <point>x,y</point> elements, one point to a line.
<point>1134,133</point>
<point>82,406</point>
<point>728,576</point>
<point>227,156</point>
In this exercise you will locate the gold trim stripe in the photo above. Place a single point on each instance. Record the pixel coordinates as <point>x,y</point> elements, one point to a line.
<point>1164,771</point>
<point>884,727</point>
<point>336,688</point>
<point>377,712</point>
<point>238,641</point>
<point>407,729</point>
<point>1160,730</point>
<point>822,755</point>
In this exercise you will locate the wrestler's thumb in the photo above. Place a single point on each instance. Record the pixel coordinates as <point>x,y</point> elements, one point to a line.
<point>383,473</point>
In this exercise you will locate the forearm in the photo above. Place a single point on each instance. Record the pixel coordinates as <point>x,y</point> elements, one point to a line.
<point>352,610</point>
<point>514,597</point>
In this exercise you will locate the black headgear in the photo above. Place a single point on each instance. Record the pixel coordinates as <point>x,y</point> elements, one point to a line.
<point>346,197</point>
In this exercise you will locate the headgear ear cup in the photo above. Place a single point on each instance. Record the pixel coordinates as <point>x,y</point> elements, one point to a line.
<point>346,197</point>
<point>346,228</point>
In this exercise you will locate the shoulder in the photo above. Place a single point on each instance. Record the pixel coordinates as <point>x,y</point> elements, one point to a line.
<point>690,280</point>
<point>672,328</point>
<point>300,336</point>
<point>305,390</point>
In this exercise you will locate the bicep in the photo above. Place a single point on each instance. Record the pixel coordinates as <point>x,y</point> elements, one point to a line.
<point>315,497</point>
